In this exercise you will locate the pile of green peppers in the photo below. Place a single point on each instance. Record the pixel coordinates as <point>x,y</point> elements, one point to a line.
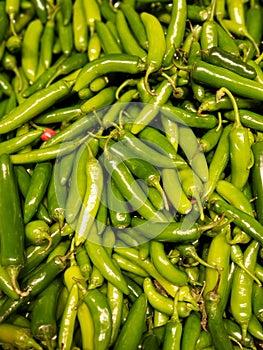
<point>131,174</point>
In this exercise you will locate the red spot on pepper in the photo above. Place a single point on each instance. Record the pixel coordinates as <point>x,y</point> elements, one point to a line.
<point>47,134</point>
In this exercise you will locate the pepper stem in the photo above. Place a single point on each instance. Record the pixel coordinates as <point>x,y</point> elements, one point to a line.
<point>212,11</point>
<point>220,93</point>
<point>194,255</point>
<point>175,315</point>
<point>13,272</point>
<point>128,82</point>
<point>159,188</point>
<point>197,197</point>
<point>46,236</point>
<point>237,258</point>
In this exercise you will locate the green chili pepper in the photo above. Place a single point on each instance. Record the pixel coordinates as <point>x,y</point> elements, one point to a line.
<point>108,41</point>
<point>43,316</point>
<point>157,300</point>
<point>9,63</point>
<point>164,265</point>
<point>209,35</point>
<point>6,284</point>
<point>30,49</point>
<point>4,20</point>
<point>78,185</point>
<point>128,187</point>
<point>234,196</point>
<point>86,322</point>
<point>107,12</point>
<point>192,187</point>
<point>43,79</point>
<point>251,15</point>
<point>173,330</point>
<point>219,161</point>
<point>121,103</point>
<point>66,330</point>
<point>217,77</point>
<point>134,20</point>
<point>37,188</point>
<point>157,140</point>
<point>102,66</point>
<point>136,148</point>
<point>34,105</point>
<point>102,260</point>
<point>72,131</point>
<point>196,159</point>
<point>239,143</point>
<point>12,228</point>
<point>17,336</point>
<point>210,139</point>
<point>131,331</point>
<point>37,254</point>
<point>41,10</point>
<point>155,34</point>
<point>241,293</point>
<point>257,179</point>
<point>191,330</point>
<point>151,109</point>
<point>175,30</point>
<point>94,47</point>
<point>168,232</point>
<point>115,299</point>
<point>129,266</point>
<point>37,232</point>
<point>255,328</point>
<point>210,104</point>
<point>52,152</point>
<point>234,331</point>
<point>226,41</point>
<point>34,285</point>
<point>66,10</point>
<point>128,41</point>
<point>5,85</point>
<point>60,249</point>
<point>65,34</point>
<point>146,172</point>
<point>80,31</point>
<point>222,58</point>
<point>238,258</point>
<point>98,84</point>
<point>19,142</point>
<point>70,64</point>
<point>22,19</point>
<point>241,31</point>
<point>100,310</point>
<point>23,180</point>
<point>248,119</point>
<point>189,118</point>
<point>257,301</point>
<point>47,42</point>
<point>91,200</point>
<point>217,297</point>
<point>245,221</point>
<point>103,98</point>
<point>118,209</point>
<point>58,115</point>
<point>96,279</point>
<point>93,13</point>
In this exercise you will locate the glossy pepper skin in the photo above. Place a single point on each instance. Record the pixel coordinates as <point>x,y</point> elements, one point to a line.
<point>217,77</point>
<point>12,231</point>
<point>257,178</point>
<point>222,58</point>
